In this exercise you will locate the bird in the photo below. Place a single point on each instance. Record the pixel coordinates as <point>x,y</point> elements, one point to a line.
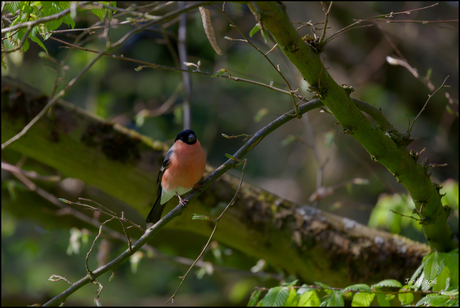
<point>182,168</point>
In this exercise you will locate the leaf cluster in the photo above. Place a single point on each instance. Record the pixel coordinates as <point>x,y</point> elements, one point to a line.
<point>29,11</point>
<point>438,273</point>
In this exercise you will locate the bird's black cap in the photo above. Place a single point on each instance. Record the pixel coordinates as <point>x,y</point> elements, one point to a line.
<point>187,136</point>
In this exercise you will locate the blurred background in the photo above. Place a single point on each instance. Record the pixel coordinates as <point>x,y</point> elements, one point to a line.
<point>284,163</point>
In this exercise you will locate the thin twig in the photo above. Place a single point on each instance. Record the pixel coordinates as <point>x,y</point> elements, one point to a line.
<point>273,48</point>
<point>94,243</point>
<point>85,199</point>
<point>30,174</point>
<point>237,136</point>
<point>394,61</point>
<point>323,35</point>
<point>412,217</point>
<point>297,115</point>
<point>423,108</point>
<point>168,16</point>
<point>414,21</point>
<point>158,66</point>
<point>373,18</point>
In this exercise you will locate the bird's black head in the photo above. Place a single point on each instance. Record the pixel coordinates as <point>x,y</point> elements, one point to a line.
<point>187,136</point>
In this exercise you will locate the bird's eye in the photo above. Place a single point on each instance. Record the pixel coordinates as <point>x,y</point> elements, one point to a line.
<point>191,139</point>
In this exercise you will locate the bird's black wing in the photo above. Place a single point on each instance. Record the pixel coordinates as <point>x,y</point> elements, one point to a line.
<point>157,209</point>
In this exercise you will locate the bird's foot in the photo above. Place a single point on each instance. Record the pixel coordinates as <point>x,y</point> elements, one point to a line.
<point>182,201</point>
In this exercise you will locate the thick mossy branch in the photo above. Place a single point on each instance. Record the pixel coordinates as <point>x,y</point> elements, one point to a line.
<point>386,147</point>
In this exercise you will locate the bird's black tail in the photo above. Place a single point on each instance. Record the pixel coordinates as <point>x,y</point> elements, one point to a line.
<point>156,211</point>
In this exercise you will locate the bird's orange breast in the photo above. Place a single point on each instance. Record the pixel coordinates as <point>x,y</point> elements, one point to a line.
<point>188,162</point>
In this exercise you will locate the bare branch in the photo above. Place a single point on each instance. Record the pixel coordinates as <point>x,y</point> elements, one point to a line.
<point>426,103</point>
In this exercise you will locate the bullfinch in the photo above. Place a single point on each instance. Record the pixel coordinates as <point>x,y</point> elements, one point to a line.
<point>182,168</point>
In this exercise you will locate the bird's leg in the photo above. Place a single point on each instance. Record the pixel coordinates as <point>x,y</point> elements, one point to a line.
<point>182,201</point>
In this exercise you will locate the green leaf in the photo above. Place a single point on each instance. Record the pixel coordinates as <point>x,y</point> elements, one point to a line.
<point>428,74</point>
<point>329,139</point>
<point>293,298</point>
<point>442,281</point>
<point>276,297</point>
<point>200,217</point>
<point>265,36</point>
<point>65,201</point>
<point>11,187</point>
<point>50,8</point>
<point>254,30</point>
<point>260,114</point>
<point>436,300</point>
<point>219,72</point>
<point>406,298</point>
<point>63,4</point>
<point>102,12</point>
<point>451,261</point>
<point>254,298</point>
<point>27,8</point>
<point>309,298</point>
<point>288,140</point>
<point>288,284</point>
<point>383,300</point>
<point>323,285</point>
<point>304,288</point>
<point>433,266</point>
<point>33,37</point>
<point>422,283</point>
<point>417,273</point>
<point>13,6</point>
<point>8,42</point>
<point>68,21</point>
<point>358,287</point>
<point>229,156</point>
<point>327,288</point>
<point>334,299</point>
<point>26,45</point>
<point>362,299</point>
<point>20,35</point>
<point>388,283</point>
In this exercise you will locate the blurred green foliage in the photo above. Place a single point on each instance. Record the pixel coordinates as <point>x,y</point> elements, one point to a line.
<point>437,276</point>
<point>393,212</point>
